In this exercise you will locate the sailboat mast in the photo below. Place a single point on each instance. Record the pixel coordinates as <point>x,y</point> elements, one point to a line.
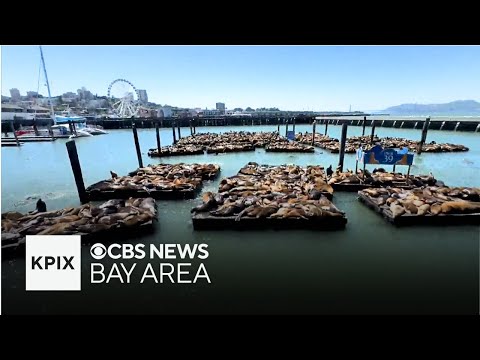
<point>48,86</point>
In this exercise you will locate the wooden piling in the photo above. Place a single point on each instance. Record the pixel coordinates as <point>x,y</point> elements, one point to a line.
<point>373,132</point>
<point>70,127</point>
<point>77,171</point>
<point>157,131</point>
<point>363,125</point>
<point>49,127</point>
<point>74,128</point>
<point>14,133</point>
<point>342,146</point>
<point>178,128</point>
<point>173,131</point>
<point>313,130</point>
<point>35,127</point>
<point>286,128</point>
<point>424,135</point>
<point>326,127</point>
<point>137,145</point>
<point>191,129</point>
<point>294,125</point>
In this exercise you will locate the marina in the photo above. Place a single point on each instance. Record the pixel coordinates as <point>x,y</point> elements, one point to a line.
<point>367,242</point>
<point>306,179</point>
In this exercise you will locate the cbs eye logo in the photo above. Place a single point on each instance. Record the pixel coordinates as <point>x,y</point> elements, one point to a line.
<point>98,251</point>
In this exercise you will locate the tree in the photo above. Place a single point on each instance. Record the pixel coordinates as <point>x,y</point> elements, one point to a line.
<point>249,109</point>
<point>237,109</point>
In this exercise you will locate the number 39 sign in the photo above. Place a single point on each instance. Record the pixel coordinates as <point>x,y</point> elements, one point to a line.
<point>378,155</point>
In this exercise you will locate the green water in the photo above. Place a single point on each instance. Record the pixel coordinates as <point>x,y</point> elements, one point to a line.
<point>370,267</point>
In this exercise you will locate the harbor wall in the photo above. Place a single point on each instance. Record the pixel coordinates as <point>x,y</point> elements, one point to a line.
<point>470,125</point>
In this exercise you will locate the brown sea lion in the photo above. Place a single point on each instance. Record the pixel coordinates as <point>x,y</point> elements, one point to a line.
<point>56,229</point>
<point>460,207</point>
<point>436,208</point>
<point>410,207</point>
<point>267,211</point>
<point>397,210</point>
<point>68,218</point>
<point>423,209</point>
<point>12,215</point>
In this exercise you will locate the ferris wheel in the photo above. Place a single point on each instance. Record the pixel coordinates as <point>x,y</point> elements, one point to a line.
<point>123,97</point>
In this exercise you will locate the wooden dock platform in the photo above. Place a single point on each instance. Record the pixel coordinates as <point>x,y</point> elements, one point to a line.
<point>29,139</point>
<point>95,194</point>
<point>427,219</point>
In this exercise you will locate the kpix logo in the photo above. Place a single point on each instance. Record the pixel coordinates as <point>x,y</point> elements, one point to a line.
<point>53,262</point>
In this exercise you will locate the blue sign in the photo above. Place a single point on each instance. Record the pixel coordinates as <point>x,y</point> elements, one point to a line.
<point>290,135</point>
<point>379,155</point>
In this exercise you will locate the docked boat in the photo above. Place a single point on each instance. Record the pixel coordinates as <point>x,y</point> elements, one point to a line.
<point>80,123</point>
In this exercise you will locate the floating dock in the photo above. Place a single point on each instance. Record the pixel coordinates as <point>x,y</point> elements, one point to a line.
<point>110,221</point>
<point>409,219</point>
<point>166,152</point>
<point>29,139</point>
<point>156,181</point>
<point>11,144</point>
<point>96,193</point>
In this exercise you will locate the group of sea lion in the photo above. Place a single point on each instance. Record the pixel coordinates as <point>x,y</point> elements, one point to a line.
<point>430,200</point>
<point>225,147</point>
<point>256,139</point>
<point>381,178</point>
<point>354,142</point>
<point>83,220</point>
<point>232,141</point>
<point>286,191</point>
<point>166,177</point>
<point>174,150</point>
<point>289,147</point>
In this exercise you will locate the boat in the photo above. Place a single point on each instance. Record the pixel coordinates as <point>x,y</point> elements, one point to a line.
<point>59,131</point>
<point>80,123</point>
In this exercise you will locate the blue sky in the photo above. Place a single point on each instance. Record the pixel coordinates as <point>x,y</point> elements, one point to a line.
<point>288,77</point>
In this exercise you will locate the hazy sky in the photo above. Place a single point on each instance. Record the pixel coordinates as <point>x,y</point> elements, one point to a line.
<point>288,77</point>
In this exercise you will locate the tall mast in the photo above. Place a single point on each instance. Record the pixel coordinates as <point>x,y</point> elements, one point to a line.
<point>48,86</point>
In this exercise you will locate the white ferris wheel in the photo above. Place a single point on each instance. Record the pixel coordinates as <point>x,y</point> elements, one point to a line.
<point>123,97</point>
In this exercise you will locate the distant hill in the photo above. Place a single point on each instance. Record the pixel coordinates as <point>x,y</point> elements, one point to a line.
<point>458,108</point>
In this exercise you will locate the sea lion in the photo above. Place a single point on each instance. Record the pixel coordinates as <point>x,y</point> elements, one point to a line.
<point>7,225</point>
<point>267,211</point>
<point>436,208</point>
<point>296,213</point>
<point>56,229</point>
<point>12,215</point>
<point>149,205</point>
<point>41,206</point>
<point>410,208</point>
<point>92,228</point>
<point>397,210</point>
<point>68,218</point>
<point>459,207</point>
<point>423,209</point>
